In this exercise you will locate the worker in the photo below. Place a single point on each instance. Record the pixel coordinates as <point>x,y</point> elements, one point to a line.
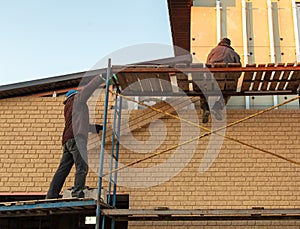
<point>74,140</point>
<point>222,53</point>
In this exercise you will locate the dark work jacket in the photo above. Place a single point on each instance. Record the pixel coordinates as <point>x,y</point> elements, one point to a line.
<point>76,111</point>
<point>223,53</point>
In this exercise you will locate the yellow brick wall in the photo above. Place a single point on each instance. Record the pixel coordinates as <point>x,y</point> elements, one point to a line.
<point>240,177</point>
<point>30,143</point>
<point>30,132</point>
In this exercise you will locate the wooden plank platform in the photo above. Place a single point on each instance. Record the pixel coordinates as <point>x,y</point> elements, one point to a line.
<point>217,79</point>
<point>164,214</point>
<point>48,207</point>
<point>39,208</point>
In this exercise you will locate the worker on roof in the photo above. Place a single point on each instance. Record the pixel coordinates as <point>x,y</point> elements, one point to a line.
<point>74,140</point>
<point>222,53</point>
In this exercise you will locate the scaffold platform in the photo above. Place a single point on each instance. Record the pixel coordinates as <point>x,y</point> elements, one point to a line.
<point>39,208</point>
<point>197,79</point>
<point>165,214</point>
<point>48,207</point>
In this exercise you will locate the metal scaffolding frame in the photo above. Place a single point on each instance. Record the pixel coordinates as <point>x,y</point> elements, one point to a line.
<point>257,80</point>
<point>227,78</point>
<point>114,157</point>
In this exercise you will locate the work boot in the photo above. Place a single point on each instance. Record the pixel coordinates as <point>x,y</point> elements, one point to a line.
<point>205,116</point>
<point>204,106</point>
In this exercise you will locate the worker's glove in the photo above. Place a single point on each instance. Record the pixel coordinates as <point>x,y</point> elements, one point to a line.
<point>95,129</point>
<point>98,128</point>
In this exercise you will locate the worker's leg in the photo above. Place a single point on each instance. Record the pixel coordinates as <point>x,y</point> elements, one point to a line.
<point>81,163</point>
<point>61,173</point>
<point>219,106</point>
<point>221,102</point>
<point>204,106</point>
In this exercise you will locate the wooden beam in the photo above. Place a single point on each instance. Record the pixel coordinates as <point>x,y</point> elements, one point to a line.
<point>201,214</point>
<point>197,69</point>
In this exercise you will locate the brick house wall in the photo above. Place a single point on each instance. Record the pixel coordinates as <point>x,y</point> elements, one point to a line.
<point>30,142</point>
<point>239,178</point>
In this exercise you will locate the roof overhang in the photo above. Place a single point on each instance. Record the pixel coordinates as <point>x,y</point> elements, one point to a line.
<point>51,84</point>
<point>180,20</point>
<point>61,84</point>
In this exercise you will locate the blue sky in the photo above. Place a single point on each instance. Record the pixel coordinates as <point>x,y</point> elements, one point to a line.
<point>42,39</point>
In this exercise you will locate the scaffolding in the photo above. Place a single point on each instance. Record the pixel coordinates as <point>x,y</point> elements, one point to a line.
<point>191,80</point>
<point>175,80</point>
<point>112,185</point>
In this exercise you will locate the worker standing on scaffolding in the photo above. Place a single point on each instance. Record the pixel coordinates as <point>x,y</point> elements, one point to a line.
<point>222,53</point>
<point>74,140</point>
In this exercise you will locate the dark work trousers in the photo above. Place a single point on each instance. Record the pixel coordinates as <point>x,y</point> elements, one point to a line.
<point>219,104</point>
<point>74,152</point>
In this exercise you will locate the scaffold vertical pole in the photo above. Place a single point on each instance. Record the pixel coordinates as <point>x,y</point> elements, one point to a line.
<point>102,150</point>
<point>117,157</point>
<point>113,157</point>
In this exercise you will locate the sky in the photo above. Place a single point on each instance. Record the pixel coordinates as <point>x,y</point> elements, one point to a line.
<point>41,39</point>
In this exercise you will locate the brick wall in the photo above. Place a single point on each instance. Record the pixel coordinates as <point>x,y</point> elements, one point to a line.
<point>30,130</point>
<point>240,177</point>
<point>30,143</point>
